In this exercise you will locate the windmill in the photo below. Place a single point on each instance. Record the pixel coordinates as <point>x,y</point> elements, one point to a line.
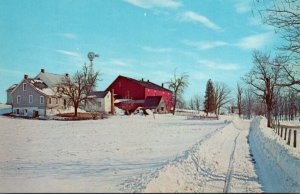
<point>91,56</point>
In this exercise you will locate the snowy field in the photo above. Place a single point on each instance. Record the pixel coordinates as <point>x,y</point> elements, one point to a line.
<point>131,154</point>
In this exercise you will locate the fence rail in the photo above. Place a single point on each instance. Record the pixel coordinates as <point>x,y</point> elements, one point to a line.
<point>199,117</point>
<point>278,129</point>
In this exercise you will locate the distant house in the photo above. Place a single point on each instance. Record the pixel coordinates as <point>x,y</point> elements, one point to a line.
<point>130,94</point>
<point>101,102</point>
<point>36,96</point>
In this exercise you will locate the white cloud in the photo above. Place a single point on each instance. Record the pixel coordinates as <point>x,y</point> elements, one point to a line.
<point>219,66</point>
<point>67,35</point>
<point>119,62</point>
<point>242,7</point>
<point>10,72</point>
<point>203,45</point>
<point>255,41</point>
<point>157,50</point>
<point>191,16</point>
<point>68,53</point>
<point>148,4</point>
<point>199,75</point>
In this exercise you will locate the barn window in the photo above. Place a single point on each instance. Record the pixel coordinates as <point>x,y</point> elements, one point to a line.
<point>30,99</point>
<point>120,84</point>
<point>24,86</point>
<point>18,99</point>
<point>42,99</point>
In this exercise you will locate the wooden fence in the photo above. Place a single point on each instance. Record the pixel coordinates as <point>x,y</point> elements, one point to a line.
<point>285,132</point>
<point>200,117</point>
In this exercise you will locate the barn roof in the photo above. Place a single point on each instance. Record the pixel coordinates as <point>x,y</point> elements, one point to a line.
<point>152,101</point>
<point>146,84</point>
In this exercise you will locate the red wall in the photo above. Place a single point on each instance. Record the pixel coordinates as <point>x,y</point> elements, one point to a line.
<point>136,91</point>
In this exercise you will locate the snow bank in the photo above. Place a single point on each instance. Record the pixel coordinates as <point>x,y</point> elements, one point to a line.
<point>278,164</point>
<point>4,108</point>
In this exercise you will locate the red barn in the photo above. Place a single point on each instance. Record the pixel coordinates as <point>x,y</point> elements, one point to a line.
<point>130,93</point>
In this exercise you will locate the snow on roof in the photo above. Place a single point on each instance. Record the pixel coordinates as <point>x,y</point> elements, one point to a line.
<point>50,79</point>
<point>99,94</point>
<point>12,87</point>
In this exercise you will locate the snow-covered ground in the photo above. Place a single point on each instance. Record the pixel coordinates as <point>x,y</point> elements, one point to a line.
<point>132,154</point>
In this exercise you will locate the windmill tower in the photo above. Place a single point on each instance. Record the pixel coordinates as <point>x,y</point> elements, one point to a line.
<point>91,56</point>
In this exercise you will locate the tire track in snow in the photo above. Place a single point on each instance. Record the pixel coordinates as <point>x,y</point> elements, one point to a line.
<point>138,184</point>
<point>230,167</point>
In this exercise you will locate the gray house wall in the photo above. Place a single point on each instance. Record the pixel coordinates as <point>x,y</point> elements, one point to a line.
<point>24,106</point>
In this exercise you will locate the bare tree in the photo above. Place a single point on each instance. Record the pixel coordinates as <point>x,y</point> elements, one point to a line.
<point>264,77</point>
<point>284,16</point>
<point>197,100</point>
<point>192,103</point>
<point>221,96</point>
<point>248,103</point>
<point>177,84</point>
<point>79,87</point>
<point>239,99</point>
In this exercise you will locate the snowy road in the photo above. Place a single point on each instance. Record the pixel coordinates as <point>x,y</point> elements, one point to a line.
<point>132,154</point>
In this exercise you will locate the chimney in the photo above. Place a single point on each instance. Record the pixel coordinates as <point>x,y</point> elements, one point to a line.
<point>42,70</point>
<point>162,85</point>
<point>67,75</point>
<point>148,81</point>
<point>25,76</point>
<point>142,79</point>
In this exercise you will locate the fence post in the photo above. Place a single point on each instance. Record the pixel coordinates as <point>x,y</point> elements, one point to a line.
<point>281,131</point>
<point>295,138</point>
<point>285,133</point>
<point>289,137</point>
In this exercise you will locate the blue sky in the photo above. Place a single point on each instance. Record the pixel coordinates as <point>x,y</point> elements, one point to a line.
<point>136,38</point>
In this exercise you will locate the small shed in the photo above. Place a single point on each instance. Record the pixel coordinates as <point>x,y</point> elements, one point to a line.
<point>156,104</point>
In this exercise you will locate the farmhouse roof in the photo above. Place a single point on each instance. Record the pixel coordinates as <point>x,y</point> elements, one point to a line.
<point>152,101</point>
<point>12,87</point>
<point>51,79</point>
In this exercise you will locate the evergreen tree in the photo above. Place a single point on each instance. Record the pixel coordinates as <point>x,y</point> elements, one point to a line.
<point>209,99</point>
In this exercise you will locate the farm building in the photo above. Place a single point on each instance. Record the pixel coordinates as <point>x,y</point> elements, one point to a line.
<point>130,94</point>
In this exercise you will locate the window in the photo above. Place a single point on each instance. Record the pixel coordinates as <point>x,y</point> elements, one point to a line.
<point>24,86</point>
<point>30,99</point>
<point>56,100</point>
<point>49,100</point>
<point>162,108</point>
<point>18,111</point>
<point>120,84</point>
<point>42,100</point>
<point>18,99</point>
